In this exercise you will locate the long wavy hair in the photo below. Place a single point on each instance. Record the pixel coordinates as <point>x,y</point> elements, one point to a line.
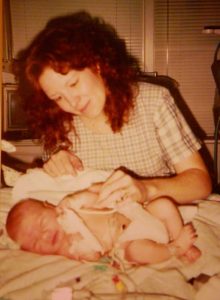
<point>76,41</point>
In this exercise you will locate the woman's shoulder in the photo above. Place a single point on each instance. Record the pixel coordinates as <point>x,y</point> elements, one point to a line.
<point>153,96</point>
<point>150,96</point>
<point>151,90</point>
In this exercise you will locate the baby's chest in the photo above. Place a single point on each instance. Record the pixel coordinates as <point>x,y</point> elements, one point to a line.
<point>107,228</point>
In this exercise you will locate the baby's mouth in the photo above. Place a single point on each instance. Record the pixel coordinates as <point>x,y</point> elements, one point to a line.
<point>55,237</point>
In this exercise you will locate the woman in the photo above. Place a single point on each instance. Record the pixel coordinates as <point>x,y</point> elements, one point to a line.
<point>84,100</point>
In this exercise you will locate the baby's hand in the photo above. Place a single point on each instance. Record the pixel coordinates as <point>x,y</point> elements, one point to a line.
<point>81,199</point>
<point>93,256</point>
<point>90,195</point>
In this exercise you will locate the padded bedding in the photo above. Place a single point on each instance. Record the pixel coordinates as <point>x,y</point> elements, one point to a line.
<point>27,276</point>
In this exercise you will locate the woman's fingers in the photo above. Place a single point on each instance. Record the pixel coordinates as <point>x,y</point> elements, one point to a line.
<point>117,182</point>
<point>114,199</point>
<point>95,187</point>
<point>76,162</point>
<point>118,187</point>
<point>63,162</point>
<point>51,169</point>
<point>115,176</point>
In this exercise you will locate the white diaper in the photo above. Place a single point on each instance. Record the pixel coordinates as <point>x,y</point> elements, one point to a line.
<point>143,225</point>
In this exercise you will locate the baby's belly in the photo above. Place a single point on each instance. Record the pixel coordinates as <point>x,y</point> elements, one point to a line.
<point>107,228</point>
<point>115,227</point>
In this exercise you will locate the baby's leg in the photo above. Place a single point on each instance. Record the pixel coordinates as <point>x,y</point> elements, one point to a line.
<point>165,210</point>
<point>146,252</point>
<point>183,236</point>
<point>150,252</point>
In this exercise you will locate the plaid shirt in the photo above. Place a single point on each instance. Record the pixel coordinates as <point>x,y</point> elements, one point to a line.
<point>156,138</point>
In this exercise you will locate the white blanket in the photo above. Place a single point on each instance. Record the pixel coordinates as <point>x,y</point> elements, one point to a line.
<point>25,276</point>
<point>39,185</point>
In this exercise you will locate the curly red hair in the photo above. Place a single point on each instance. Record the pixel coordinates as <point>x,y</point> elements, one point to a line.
<point>76,41</point>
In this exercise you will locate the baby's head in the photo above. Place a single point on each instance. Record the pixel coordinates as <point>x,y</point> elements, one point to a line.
<point>33,225</point>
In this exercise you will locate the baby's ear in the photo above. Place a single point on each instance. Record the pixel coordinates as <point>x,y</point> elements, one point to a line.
<point>48,204</point>
<point>64,202</point>
<point>59,210</point>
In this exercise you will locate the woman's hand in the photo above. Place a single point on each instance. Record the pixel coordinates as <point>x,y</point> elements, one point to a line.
<point>63,162</point>
<point>119,187</point>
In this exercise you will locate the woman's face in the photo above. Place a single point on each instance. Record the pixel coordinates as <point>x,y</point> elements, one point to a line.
<point>81,93</point>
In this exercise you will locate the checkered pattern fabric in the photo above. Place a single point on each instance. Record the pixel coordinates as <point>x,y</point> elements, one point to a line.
<point>156,138</point>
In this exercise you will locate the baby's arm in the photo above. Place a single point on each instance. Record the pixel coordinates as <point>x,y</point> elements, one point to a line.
<point>77,200</point>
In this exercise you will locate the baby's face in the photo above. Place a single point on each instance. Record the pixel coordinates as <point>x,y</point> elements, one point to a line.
<point>41,233</point>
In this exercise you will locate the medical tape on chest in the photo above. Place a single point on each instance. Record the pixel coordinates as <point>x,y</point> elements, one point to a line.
<point>72,223</point>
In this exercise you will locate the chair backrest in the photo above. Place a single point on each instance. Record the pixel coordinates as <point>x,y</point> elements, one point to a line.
<point>163,80</point>
<point>216,67</point>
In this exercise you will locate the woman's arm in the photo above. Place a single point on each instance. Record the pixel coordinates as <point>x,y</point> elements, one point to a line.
<point>191,182</point>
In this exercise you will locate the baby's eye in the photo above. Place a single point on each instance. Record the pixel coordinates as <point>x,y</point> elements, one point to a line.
<point>57,99</point>
<point>74,83</point>
<point>43,224</point>
<point>34,246</point>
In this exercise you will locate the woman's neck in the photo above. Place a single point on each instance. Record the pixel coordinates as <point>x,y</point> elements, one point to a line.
<point>97,125</point>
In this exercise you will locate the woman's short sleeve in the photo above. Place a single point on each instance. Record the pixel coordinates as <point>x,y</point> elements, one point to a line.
<point>174,134</point>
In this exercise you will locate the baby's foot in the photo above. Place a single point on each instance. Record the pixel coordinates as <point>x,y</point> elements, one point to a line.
<point>192,254</point>
<point>185,240</point>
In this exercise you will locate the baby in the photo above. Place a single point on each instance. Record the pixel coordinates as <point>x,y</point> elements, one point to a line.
<point>76,230</point>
